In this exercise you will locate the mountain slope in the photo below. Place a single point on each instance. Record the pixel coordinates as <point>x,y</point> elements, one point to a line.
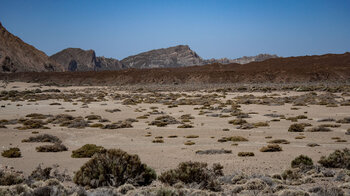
<point>17,56</point>
<point>76,59</point>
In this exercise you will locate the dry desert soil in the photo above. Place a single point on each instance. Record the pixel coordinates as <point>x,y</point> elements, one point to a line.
<point>268,116</point>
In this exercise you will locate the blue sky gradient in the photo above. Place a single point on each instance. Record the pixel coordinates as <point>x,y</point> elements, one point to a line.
<point>214,29</point>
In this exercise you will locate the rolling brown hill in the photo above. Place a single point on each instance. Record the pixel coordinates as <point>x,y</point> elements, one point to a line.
<point>18,56</point>
<point>324,68</point>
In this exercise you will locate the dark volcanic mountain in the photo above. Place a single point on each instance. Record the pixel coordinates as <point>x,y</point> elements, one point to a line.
<point>177,56</point>
<point>76,59</point>
<point>304,69</point>
<point>17,56</point>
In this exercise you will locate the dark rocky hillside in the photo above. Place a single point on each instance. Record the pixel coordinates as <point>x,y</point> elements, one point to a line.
<point>18,56</point>
<point>76,59</point>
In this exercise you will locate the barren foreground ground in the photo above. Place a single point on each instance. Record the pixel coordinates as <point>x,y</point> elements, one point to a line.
<point>268,117</point>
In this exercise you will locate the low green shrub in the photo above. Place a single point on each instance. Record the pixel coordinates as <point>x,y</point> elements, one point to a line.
<point>11,153</point>
<point>271,148</point>
<point>87,151</point>
<point>301,161</point>
<point>114,167</point>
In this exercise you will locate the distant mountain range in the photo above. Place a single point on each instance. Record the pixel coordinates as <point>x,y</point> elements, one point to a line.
<point>18,56</point>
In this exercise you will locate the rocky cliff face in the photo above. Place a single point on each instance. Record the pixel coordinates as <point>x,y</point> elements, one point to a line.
<point>76,59</point>
<point>177,56</point>
<point>17,56</point>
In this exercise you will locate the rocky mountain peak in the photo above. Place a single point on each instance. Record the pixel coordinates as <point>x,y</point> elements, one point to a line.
<point>176,56</point>
<point>76,59</point>
<point>18,56</point>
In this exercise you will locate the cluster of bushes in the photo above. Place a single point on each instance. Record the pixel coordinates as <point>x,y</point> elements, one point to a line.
<point>57,145</point>
<point>9,177</point>
<point>194,172</point>
<point>337,159</point>
<point>163,121</point>
<point>32,124</point>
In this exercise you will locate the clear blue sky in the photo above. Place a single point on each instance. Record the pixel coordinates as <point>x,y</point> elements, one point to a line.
<point>214,29</point>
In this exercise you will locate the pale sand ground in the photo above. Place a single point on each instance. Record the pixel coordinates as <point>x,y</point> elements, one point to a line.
<point>173,151</point>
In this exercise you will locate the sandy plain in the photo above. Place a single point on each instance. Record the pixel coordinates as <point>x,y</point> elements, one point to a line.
<point>167,155</point>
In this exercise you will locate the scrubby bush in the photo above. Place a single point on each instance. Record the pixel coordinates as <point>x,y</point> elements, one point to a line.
<point>344,120</point>
<point>319,129</point>
<point>86,151</point>
<point>238,121</point>
<point>32,124</point>
<point>118,125</point>
<point>93,117</point>
<point>40,173</point>
<point>271,148</point>
<point>278,141</point>
<point>246,154</point>
<point>214,151</point>
<point>301,161</point>
<point>43,138</point>
<point>194,172</point>
<point>37,116</point>
<point>192,136</point>
<point>158,141</point>
<point>337,159</point>
<point>114,167</point>
<point>57,147</point>
<point>185,126</point>
<point>189,143</point>
<point>8,177</point>
<point>163,121</point>
<point>261,124</point>
<point>296,128</point>
<point>235,139</point>
<point>11,153</point>
<point>291,174</point>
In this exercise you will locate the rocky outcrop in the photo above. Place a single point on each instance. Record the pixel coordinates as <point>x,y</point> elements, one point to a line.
<point>177,56</point>
<point>242,60</point>
<point>76,59</point>
<point>17,56</point>
<point>182,56</point>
